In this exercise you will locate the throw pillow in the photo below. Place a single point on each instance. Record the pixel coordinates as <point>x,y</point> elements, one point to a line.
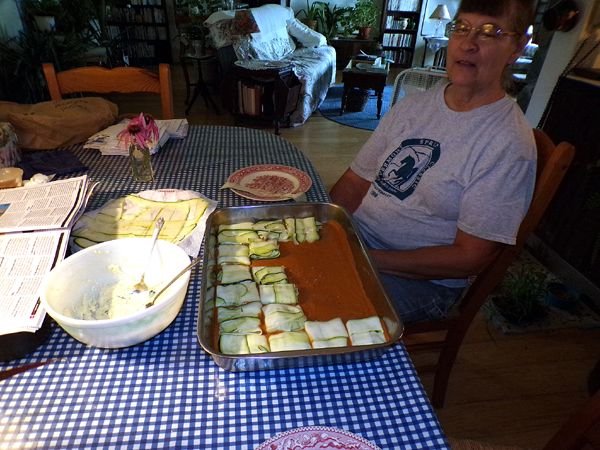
<point>272,46</point>
<point>49,125</point>
<point>305,35</point>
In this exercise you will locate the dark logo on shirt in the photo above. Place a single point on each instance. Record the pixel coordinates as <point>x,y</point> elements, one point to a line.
<point>402,170</point>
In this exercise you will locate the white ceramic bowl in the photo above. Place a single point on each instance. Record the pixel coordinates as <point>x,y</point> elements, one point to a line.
<point>84,274</point>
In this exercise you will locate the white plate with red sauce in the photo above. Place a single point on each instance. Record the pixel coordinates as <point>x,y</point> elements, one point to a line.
<point>269,182</point>
<point>314,438</point>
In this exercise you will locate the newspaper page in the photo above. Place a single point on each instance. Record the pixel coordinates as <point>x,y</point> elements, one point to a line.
<point>108,142</point>
<point>25,258</point>
<point>44,206</point>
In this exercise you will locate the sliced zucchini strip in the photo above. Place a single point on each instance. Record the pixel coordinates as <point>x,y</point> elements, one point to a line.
<point>235,312</point>
<point>289,341</point>
<point>258,343</point>
<point>132,216</point>
<point>237,294</point>
<point>286,293</point>
<point>331,343</point>
<point>307,229</point>
<point>237,236</point>
<point>241,325</point>
<point>311,233</point>
<point>275,225</point>
<point>264,249</point>
<point>233,254</point>
<point>330,330</point>
<point>232,344</point>
<point>366,331</point>
<point>234,273</point>
<point>290,227</point>
<point>236,226</point>
<point>269,274</point>
<point>283,317</point>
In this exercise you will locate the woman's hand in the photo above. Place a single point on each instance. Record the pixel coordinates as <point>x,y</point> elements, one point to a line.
<point>349,190</point>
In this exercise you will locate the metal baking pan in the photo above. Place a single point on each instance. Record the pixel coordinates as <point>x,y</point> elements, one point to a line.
<point>323,212</point>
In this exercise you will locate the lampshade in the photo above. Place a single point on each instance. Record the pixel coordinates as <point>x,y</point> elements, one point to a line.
<point>440,13</point>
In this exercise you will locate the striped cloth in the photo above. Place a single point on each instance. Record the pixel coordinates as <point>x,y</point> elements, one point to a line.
<point>167,392</point>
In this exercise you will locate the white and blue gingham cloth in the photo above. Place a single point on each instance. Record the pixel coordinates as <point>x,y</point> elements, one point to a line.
<point>167,392</point>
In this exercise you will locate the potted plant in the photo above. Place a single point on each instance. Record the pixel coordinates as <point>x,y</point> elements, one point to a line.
<point>520,296</point>
<point>333,20</point>
<point>364,17</point>
<point>311,14</point>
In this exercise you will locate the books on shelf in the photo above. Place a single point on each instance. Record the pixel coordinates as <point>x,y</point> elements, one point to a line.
<point>35,222</point>
<point>250,98</point>
<point>403,5</point>
<point>397,40</point>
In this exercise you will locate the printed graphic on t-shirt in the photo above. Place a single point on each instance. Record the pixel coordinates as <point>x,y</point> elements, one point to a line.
<point>400,173</point>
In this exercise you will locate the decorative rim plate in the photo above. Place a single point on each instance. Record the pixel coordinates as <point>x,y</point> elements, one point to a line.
<point>260,64</point>
<point>276,181</point>
<point>314,438</point>
<point>370,67</point>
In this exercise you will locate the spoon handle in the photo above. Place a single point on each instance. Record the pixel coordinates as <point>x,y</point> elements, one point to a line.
<point>157,228</point>
<point>194,262</point>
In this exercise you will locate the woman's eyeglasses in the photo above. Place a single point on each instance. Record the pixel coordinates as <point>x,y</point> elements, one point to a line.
<point>486,32</point>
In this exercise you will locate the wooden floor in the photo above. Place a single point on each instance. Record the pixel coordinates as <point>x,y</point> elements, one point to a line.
<point>504,389</point>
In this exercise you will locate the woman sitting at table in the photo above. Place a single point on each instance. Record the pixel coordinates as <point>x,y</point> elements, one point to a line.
<point>446,178</point>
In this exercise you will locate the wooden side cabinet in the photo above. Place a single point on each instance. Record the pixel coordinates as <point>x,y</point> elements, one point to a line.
<point>269,94</point>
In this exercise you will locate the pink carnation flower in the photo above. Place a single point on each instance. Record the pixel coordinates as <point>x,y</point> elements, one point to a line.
<point>141,130</point>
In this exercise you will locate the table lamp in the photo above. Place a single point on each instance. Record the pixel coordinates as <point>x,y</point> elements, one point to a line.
<point>440,13</point>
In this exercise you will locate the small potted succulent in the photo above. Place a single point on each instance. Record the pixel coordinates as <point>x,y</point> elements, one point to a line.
<point>364,16</point>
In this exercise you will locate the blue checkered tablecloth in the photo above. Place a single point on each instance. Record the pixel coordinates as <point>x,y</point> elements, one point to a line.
<point>167,392</point>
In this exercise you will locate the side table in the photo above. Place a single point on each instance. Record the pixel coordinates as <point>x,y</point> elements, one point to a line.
<point>358,74</point>
<point>200,85</point>
<point>264,90</point>
<point>346,49</point>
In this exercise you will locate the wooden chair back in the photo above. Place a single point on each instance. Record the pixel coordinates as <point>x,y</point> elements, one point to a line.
<point>446,335</point>
<point>100,80</point>
<point>581,431</point>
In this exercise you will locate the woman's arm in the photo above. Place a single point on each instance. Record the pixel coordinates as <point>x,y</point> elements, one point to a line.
<point>349,190</point>
<point>467,255</point>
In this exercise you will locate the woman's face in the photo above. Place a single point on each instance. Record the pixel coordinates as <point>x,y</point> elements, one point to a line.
<point>476,62</point>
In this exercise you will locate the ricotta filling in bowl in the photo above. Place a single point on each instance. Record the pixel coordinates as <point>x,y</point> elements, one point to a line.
<point>113,300</point>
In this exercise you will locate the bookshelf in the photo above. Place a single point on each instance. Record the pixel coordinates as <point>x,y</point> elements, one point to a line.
<point>140,27</point>
<point>399,24</point>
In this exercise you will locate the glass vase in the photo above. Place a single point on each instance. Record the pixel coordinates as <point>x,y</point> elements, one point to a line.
<point>141,166</point>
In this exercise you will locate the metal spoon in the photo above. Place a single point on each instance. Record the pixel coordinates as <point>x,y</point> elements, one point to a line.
<point>141,286</point>
<point>175,278</point>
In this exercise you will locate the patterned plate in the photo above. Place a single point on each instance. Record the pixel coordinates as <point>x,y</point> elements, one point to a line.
<point>261,64</point>
<point>314,438</point>
<point>270,182</point>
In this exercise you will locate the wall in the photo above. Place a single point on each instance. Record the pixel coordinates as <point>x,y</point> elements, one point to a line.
<point>427,28</point>
<point>561,50</point>
<point>10,21</point>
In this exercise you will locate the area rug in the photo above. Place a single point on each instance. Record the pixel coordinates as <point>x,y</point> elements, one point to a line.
<point>365,119</point>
